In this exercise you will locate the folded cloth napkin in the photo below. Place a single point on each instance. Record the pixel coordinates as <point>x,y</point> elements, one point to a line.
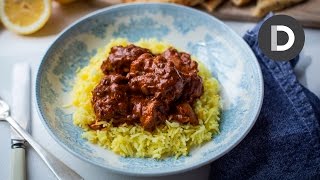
<point>285,140</point>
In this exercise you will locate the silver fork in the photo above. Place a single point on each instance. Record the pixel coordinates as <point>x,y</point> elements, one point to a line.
<point>60,170</point>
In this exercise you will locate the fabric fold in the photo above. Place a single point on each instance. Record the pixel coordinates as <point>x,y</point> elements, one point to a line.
<point>285,141</point>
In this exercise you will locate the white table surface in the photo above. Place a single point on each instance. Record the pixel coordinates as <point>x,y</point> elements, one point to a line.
<point>15,48</point>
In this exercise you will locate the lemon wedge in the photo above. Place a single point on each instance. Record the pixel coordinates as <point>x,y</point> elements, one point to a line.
<point>24,16</point>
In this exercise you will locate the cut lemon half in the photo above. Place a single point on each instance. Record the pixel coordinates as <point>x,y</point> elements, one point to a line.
<point>24,16</point>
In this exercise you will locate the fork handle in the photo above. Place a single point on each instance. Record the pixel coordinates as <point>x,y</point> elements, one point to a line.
<point>61,171</point>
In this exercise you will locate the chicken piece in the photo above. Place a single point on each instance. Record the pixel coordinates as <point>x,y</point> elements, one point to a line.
<point>193,87</point>
<point>182,61</point>
<point>110,98</point>
<point>192,90</point>
<point>184,114</point>
<point>142,64</point>
<point>120,58</point>
<point>153,114</point>
<point>265,6</point>
<point>138,103</point>
<point>157,78</point>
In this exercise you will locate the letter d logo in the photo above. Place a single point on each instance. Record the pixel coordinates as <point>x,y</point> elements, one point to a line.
<point>274,39</point>
<point>281,37</point>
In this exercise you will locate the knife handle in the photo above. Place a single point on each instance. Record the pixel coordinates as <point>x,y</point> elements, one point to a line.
<point>18,162</point>
<point>62,171</point>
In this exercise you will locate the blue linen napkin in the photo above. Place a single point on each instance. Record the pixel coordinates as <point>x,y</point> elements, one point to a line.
<point>285,140</point>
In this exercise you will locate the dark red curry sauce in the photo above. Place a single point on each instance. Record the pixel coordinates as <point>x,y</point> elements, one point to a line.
<point>145,88</point>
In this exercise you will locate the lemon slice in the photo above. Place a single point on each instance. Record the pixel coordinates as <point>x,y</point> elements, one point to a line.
<point>25,16</point>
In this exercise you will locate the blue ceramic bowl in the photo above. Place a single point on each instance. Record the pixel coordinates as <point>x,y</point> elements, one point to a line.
<point>223,52</point>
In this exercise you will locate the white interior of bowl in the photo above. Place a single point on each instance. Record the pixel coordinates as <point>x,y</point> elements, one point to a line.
<point>224,53</point>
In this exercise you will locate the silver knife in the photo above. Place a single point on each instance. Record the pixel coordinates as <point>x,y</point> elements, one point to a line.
<point>21,113</point>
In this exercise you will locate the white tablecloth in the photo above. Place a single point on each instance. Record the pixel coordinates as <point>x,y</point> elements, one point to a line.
<point>15,48</point>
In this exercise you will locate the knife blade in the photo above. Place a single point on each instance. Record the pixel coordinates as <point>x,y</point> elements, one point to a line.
<point>21,113</point>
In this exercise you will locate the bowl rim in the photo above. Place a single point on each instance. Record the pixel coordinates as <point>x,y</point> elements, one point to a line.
<point>201,163</point>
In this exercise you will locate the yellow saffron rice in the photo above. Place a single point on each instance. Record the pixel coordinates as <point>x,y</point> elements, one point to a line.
<point>169,139</point>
